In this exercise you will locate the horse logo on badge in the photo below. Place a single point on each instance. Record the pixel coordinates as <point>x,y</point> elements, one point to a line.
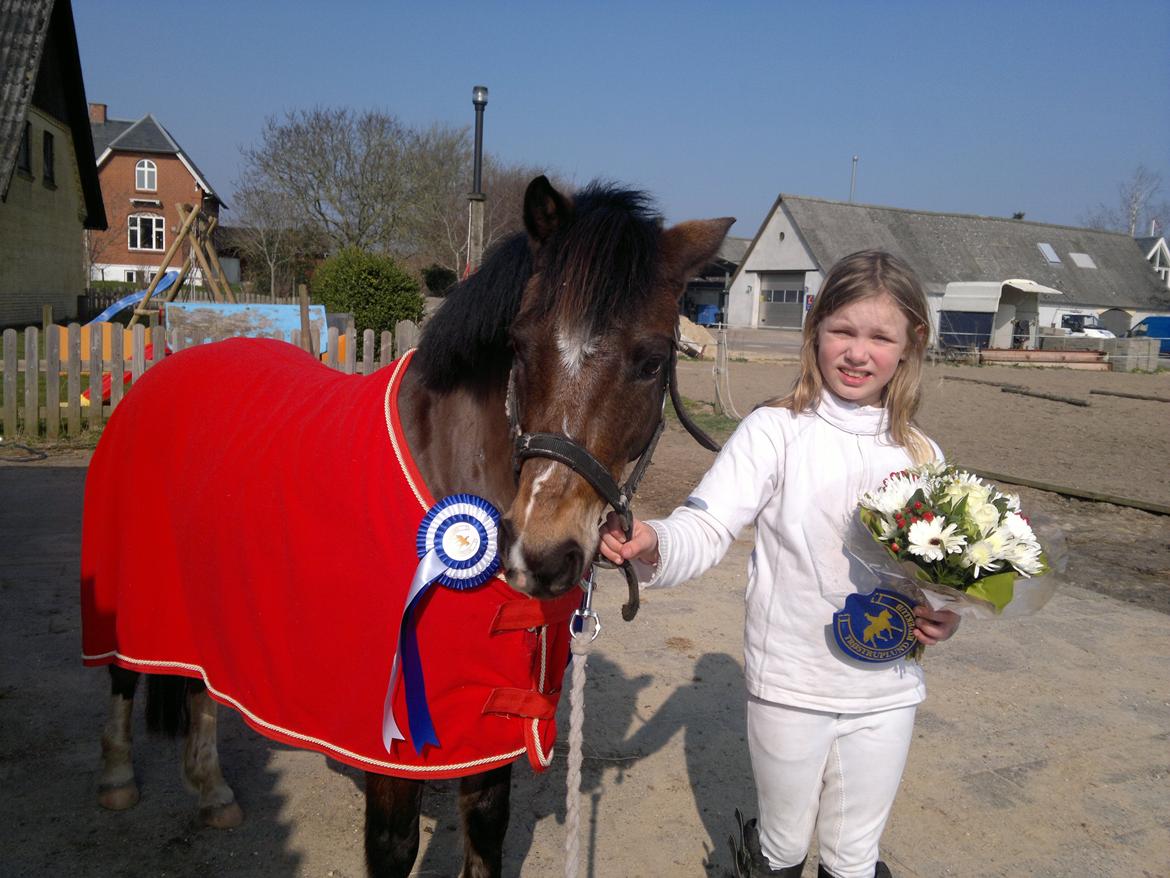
<point>875,627</point>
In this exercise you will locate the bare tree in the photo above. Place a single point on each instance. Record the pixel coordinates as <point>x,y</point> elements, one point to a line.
<point>367,181</point>
<point>100,244</point>
<point>340,170</point>
<point>440,170</point>
<point>505,184</point>
<point>1135,207</point>
<point>443,199</point>
<point>1157,219</point>
<point>268,230</point>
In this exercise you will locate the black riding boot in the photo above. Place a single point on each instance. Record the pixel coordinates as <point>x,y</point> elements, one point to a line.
<point>881,870</point>
<point>749,860</point>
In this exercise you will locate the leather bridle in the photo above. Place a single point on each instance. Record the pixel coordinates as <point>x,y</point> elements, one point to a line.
<point>562,449</point>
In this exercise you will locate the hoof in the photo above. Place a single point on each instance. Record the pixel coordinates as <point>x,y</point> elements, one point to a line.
<point>227,816</point>
<point>118,797</point>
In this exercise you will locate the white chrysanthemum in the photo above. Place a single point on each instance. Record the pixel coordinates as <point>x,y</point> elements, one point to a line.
<point>887,528</point>
<point>1025,557</point>
<point>998,540</point>
<point>983,556</point>
<point>1013,501</point>
<point>966,485</point>
<point>893,495</point>
<point>933,540</point>
<point>1017,528</point>
<point>984,515</point>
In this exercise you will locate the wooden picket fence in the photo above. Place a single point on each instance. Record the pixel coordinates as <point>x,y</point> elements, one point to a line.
<point>41,387</point>
<point>93,302</point>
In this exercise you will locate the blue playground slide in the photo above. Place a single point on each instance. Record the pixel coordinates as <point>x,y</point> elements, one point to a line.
<point>134,298</point>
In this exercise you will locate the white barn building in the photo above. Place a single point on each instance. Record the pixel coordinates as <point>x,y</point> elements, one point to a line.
<point>1075,273</point>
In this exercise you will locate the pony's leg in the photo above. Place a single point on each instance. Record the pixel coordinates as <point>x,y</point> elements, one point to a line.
<point>117,789</point>
<point>217,802</point>
<point>392,809</point>
<point>483,802</point>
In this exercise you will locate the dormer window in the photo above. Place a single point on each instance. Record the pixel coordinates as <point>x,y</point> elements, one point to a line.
<point>146,176</point>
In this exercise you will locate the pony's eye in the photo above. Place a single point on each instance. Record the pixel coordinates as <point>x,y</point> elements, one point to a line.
<point>650,367</point>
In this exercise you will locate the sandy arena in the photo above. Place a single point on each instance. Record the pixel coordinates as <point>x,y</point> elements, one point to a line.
<point>1041,751</point>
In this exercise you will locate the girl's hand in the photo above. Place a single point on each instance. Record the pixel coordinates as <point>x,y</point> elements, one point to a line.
<point>934,626</point>
<point>643,545</point>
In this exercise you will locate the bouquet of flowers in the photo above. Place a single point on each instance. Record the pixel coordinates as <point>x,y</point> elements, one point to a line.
<point>958,539</point>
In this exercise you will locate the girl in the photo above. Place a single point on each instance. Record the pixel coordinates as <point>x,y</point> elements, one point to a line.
<point>828,735</point>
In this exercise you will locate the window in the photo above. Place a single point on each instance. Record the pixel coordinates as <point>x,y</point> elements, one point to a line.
<point>131,277</point>
<point>1049,254</point>
<point>24,157</point>
<point>788,297</point>
<point>146,176</point>
<point>146,232</point>
<point>47,172</point>
<point>1082,260</point>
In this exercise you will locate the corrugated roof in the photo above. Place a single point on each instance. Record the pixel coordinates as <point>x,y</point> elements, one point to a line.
<point>733,249</point>
<point>946,247</point>
<point>26,27</point>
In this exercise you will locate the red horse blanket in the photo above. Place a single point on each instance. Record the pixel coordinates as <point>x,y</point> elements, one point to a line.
<point>250,519</point>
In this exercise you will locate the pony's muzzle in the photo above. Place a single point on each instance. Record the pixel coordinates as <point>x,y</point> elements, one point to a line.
<point>543,572</point>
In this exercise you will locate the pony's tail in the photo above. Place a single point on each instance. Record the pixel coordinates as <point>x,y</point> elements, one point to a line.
<point>166,705</point>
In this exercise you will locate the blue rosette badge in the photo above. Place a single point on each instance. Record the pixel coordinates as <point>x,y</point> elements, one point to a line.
<point>875,627</point>
<point>458,547</point>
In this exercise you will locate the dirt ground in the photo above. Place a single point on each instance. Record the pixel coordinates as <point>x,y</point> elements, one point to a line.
<point>1115,445</point>
<point>1040,752</point>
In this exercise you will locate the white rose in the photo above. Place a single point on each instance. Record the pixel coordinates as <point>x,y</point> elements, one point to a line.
<point>985,515</point>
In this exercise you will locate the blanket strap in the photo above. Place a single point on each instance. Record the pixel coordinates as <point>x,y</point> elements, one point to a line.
<point>518,615</point>
<point>522,702</point>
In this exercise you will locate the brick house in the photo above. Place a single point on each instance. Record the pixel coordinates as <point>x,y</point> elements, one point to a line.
<point>144,176</point>
<point>49,188</point>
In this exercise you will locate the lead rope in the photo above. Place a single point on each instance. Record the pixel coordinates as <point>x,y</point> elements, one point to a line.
<point>580,645</point>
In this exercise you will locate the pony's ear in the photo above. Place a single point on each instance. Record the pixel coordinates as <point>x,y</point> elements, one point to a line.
<point>689,246</point>
<point>545,210</point>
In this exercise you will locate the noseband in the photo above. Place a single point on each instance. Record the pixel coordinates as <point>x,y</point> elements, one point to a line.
<point>576,457</point>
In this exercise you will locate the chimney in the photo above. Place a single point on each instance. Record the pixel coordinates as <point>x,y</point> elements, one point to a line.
<point>97,114</point>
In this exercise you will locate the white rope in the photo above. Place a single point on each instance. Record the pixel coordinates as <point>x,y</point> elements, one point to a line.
<point>722,378</point>
<point>580,647</point>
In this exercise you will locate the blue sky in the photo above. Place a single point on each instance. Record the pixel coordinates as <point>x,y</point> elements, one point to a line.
<point>973,107</point>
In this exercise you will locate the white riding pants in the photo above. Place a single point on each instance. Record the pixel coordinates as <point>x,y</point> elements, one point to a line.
<point>838,772</point>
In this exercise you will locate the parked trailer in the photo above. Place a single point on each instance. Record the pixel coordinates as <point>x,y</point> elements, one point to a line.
<point>991,314</point>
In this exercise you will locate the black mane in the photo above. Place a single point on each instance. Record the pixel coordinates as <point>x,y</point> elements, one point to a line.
<point>601,265</point>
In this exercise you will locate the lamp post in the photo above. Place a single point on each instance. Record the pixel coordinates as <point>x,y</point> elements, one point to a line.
<point>852,179</point>
<point>479,99</point>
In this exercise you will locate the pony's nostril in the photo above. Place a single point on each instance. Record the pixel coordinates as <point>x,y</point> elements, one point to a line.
<point>574,564</point>
<point>557,570</point>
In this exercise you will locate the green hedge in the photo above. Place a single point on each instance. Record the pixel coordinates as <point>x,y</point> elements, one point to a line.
<point>371,287</point>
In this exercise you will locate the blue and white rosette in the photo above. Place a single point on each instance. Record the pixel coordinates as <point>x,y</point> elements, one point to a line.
<point>458,547</point>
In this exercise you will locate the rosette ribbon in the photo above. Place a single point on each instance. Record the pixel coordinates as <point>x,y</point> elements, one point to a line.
<point>458,547</point>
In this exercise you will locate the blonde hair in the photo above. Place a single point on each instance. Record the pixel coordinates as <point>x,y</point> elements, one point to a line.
<point>860,276</point>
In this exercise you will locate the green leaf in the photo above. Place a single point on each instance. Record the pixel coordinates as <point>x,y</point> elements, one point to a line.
<point>997,588</point>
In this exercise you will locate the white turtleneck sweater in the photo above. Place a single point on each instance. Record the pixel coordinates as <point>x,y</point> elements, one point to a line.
<point>798,479</point>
